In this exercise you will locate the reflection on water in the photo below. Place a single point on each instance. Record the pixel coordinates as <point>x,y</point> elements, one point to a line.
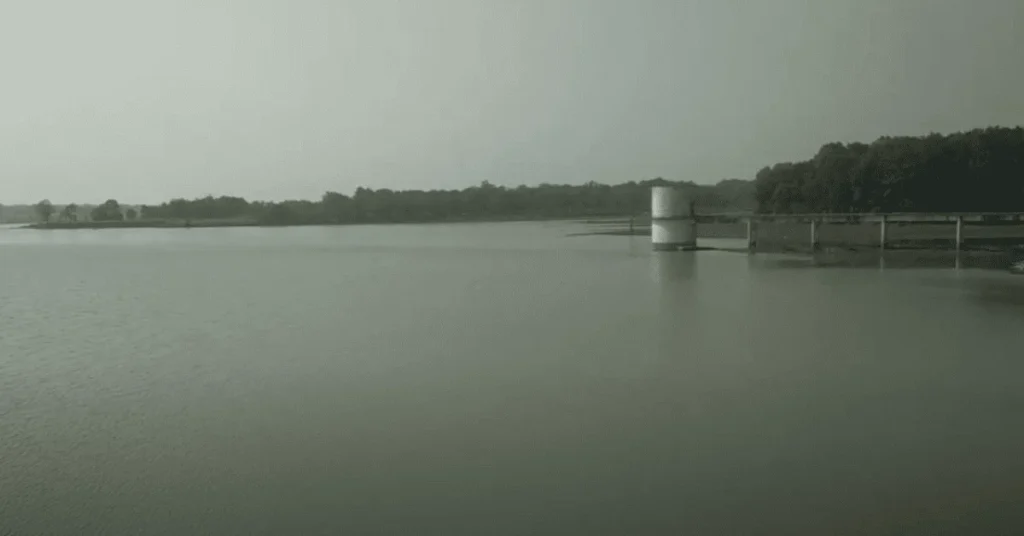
<point>639,246</point>
<point>498,379</point>
<point>674,266</point>
<point>892,259</point>
<point>674,274</point>
<point>1003,292</point>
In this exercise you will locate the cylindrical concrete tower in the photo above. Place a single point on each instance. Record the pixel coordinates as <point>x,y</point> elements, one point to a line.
<point>673,227</point>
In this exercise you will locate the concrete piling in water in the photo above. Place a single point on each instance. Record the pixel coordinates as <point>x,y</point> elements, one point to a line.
<point>750,234</point>
<point>673,227</point>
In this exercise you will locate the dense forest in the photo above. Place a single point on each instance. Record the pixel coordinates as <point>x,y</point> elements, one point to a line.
<point>477,203</point>
<point>977,171</point>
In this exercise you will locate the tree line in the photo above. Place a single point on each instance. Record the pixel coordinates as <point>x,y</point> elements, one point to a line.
<point>483,202</point>
<point>110,210</point>
<point>477,203</point>
<point>981,170</point>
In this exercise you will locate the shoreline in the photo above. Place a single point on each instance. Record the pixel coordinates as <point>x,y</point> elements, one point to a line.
<point>859,240</point>
<point>138,224</point>
<point>213,223</point>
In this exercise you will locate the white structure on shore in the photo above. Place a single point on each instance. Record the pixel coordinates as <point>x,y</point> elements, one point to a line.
<point>673,227</point>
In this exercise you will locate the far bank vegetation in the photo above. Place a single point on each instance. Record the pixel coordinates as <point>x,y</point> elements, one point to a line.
<point>980,170</point>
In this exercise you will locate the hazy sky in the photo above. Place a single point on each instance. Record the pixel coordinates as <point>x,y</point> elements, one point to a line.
<point>144,100</point>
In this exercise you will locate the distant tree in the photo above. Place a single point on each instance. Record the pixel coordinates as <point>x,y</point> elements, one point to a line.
<point>69,212</point>
<point>337,208</point>
<point>44,209</point>
<point>278,214</point>
<point>978,170</point>
<point>110,210</point>
<point>131,214</point>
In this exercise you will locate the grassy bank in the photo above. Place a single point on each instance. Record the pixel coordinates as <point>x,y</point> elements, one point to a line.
<point>704,230</point>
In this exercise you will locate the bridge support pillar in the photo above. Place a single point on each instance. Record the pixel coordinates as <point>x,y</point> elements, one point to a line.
<point>673,227</point>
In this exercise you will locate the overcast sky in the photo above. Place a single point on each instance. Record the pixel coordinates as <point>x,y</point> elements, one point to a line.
<point>145,100</point>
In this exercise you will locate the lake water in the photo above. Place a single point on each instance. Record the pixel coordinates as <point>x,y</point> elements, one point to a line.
<point>496,379</point>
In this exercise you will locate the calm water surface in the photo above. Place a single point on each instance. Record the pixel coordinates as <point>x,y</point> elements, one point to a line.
<point>496,379</point>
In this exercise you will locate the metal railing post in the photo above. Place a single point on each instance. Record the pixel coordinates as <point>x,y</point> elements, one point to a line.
<point>959,232</point>
<point>814,234</point>
<point>881,237</point>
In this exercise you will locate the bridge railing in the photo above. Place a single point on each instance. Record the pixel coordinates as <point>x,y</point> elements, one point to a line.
<point>844,229</point>
<point>841,217</point>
